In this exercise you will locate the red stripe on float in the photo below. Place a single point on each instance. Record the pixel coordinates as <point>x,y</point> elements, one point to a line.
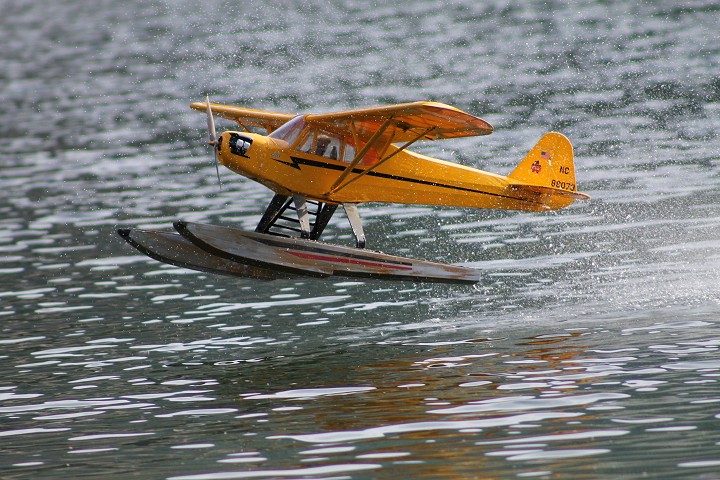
<point>326,258</point>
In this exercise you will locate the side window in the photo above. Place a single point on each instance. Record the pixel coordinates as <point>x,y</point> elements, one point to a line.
<point>371,156</point>
<point>306,143</point>
<point>349,153</point>
<point>328,145</point>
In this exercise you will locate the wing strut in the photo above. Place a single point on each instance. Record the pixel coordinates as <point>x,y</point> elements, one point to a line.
<point>373,167</point>
<point>361,154</point>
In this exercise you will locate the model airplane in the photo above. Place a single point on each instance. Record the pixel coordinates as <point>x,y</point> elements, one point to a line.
<point>317,162</point>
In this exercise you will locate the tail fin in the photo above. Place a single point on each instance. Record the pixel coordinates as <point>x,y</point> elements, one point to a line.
<point>549,169</point>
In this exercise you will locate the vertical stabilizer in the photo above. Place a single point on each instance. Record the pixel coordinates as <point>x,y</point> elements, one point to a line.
<point>550,163</point>
<point>549,168</point>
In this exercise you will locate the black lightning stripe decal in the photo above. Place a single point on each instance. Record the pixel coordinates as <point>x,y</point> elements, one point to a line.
<point>297,162</point>
<point>294,163</point>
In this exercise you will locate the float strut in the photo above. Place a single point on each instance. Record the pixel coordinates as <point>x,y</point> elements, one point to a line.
<point>354,217</point>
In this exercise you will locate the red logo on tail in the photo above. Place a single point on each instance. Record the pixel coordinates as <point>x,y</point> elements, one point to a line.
<point>536,167</point>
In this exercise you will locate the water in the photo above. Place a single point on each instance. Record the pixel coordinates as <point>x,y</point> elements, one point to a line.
<point>589,350</point>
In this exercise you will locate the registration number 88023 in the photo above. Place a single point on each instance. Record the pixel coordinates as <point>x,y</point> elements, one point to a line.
<point>563,185</point>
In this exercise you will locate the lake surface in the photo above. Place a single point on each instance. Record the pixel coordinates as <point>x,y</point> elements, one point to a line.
<point>588,350</point>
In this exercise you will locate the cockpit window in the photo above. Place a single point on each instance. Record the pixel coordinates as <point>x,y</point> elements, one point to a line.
<point>371,156</point>
<point>322,143</point>
<point>349,153</point>
<point>307,141</point>
<point>328,145</point>
<point>290,130</point>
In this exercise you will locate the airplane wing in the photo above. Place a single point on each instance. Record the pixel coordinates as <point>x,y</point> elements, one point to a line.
<point>405,122</point>
<point>247,117</point>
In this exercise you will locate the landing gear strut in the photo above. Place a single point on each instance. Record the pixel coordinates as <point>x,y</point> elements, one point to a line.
<point>310,220</point>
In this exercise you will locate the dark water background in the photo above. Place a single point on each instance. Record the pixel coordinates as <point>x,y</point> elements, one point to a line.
<point>589,350</point>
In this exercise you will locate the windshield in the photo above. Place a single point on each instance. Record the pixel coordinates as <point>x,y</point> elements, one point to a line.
<point>290,130</point>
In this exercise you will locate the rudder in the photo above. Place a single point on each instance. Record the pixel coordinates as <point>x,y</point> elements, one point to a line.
<point>548,168</point>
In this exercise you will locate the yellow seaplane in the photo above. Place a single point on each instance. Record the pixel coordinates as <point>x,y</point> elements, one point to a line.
<point>317,162</point>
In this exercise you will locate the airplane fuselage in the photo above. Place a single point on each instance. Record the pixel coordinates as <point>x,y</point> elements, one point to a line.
<point>409,178</point>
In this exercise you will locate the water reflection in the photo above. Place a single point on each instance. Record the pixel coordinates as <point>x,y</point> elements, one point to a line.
<point>546,402</point>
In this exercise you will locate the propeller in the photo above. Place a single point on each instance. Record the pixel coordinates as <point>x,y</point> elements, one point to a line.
<point>213,137</point>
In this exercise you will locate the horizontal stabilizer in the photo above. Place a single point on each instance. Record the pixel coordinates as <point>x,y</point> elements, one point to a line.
<point>539,190</point>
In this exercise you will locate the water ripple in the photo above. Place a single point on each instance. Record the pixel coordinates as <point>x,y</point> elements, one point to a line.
<point>380,432</point>
<point>300,472</point>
